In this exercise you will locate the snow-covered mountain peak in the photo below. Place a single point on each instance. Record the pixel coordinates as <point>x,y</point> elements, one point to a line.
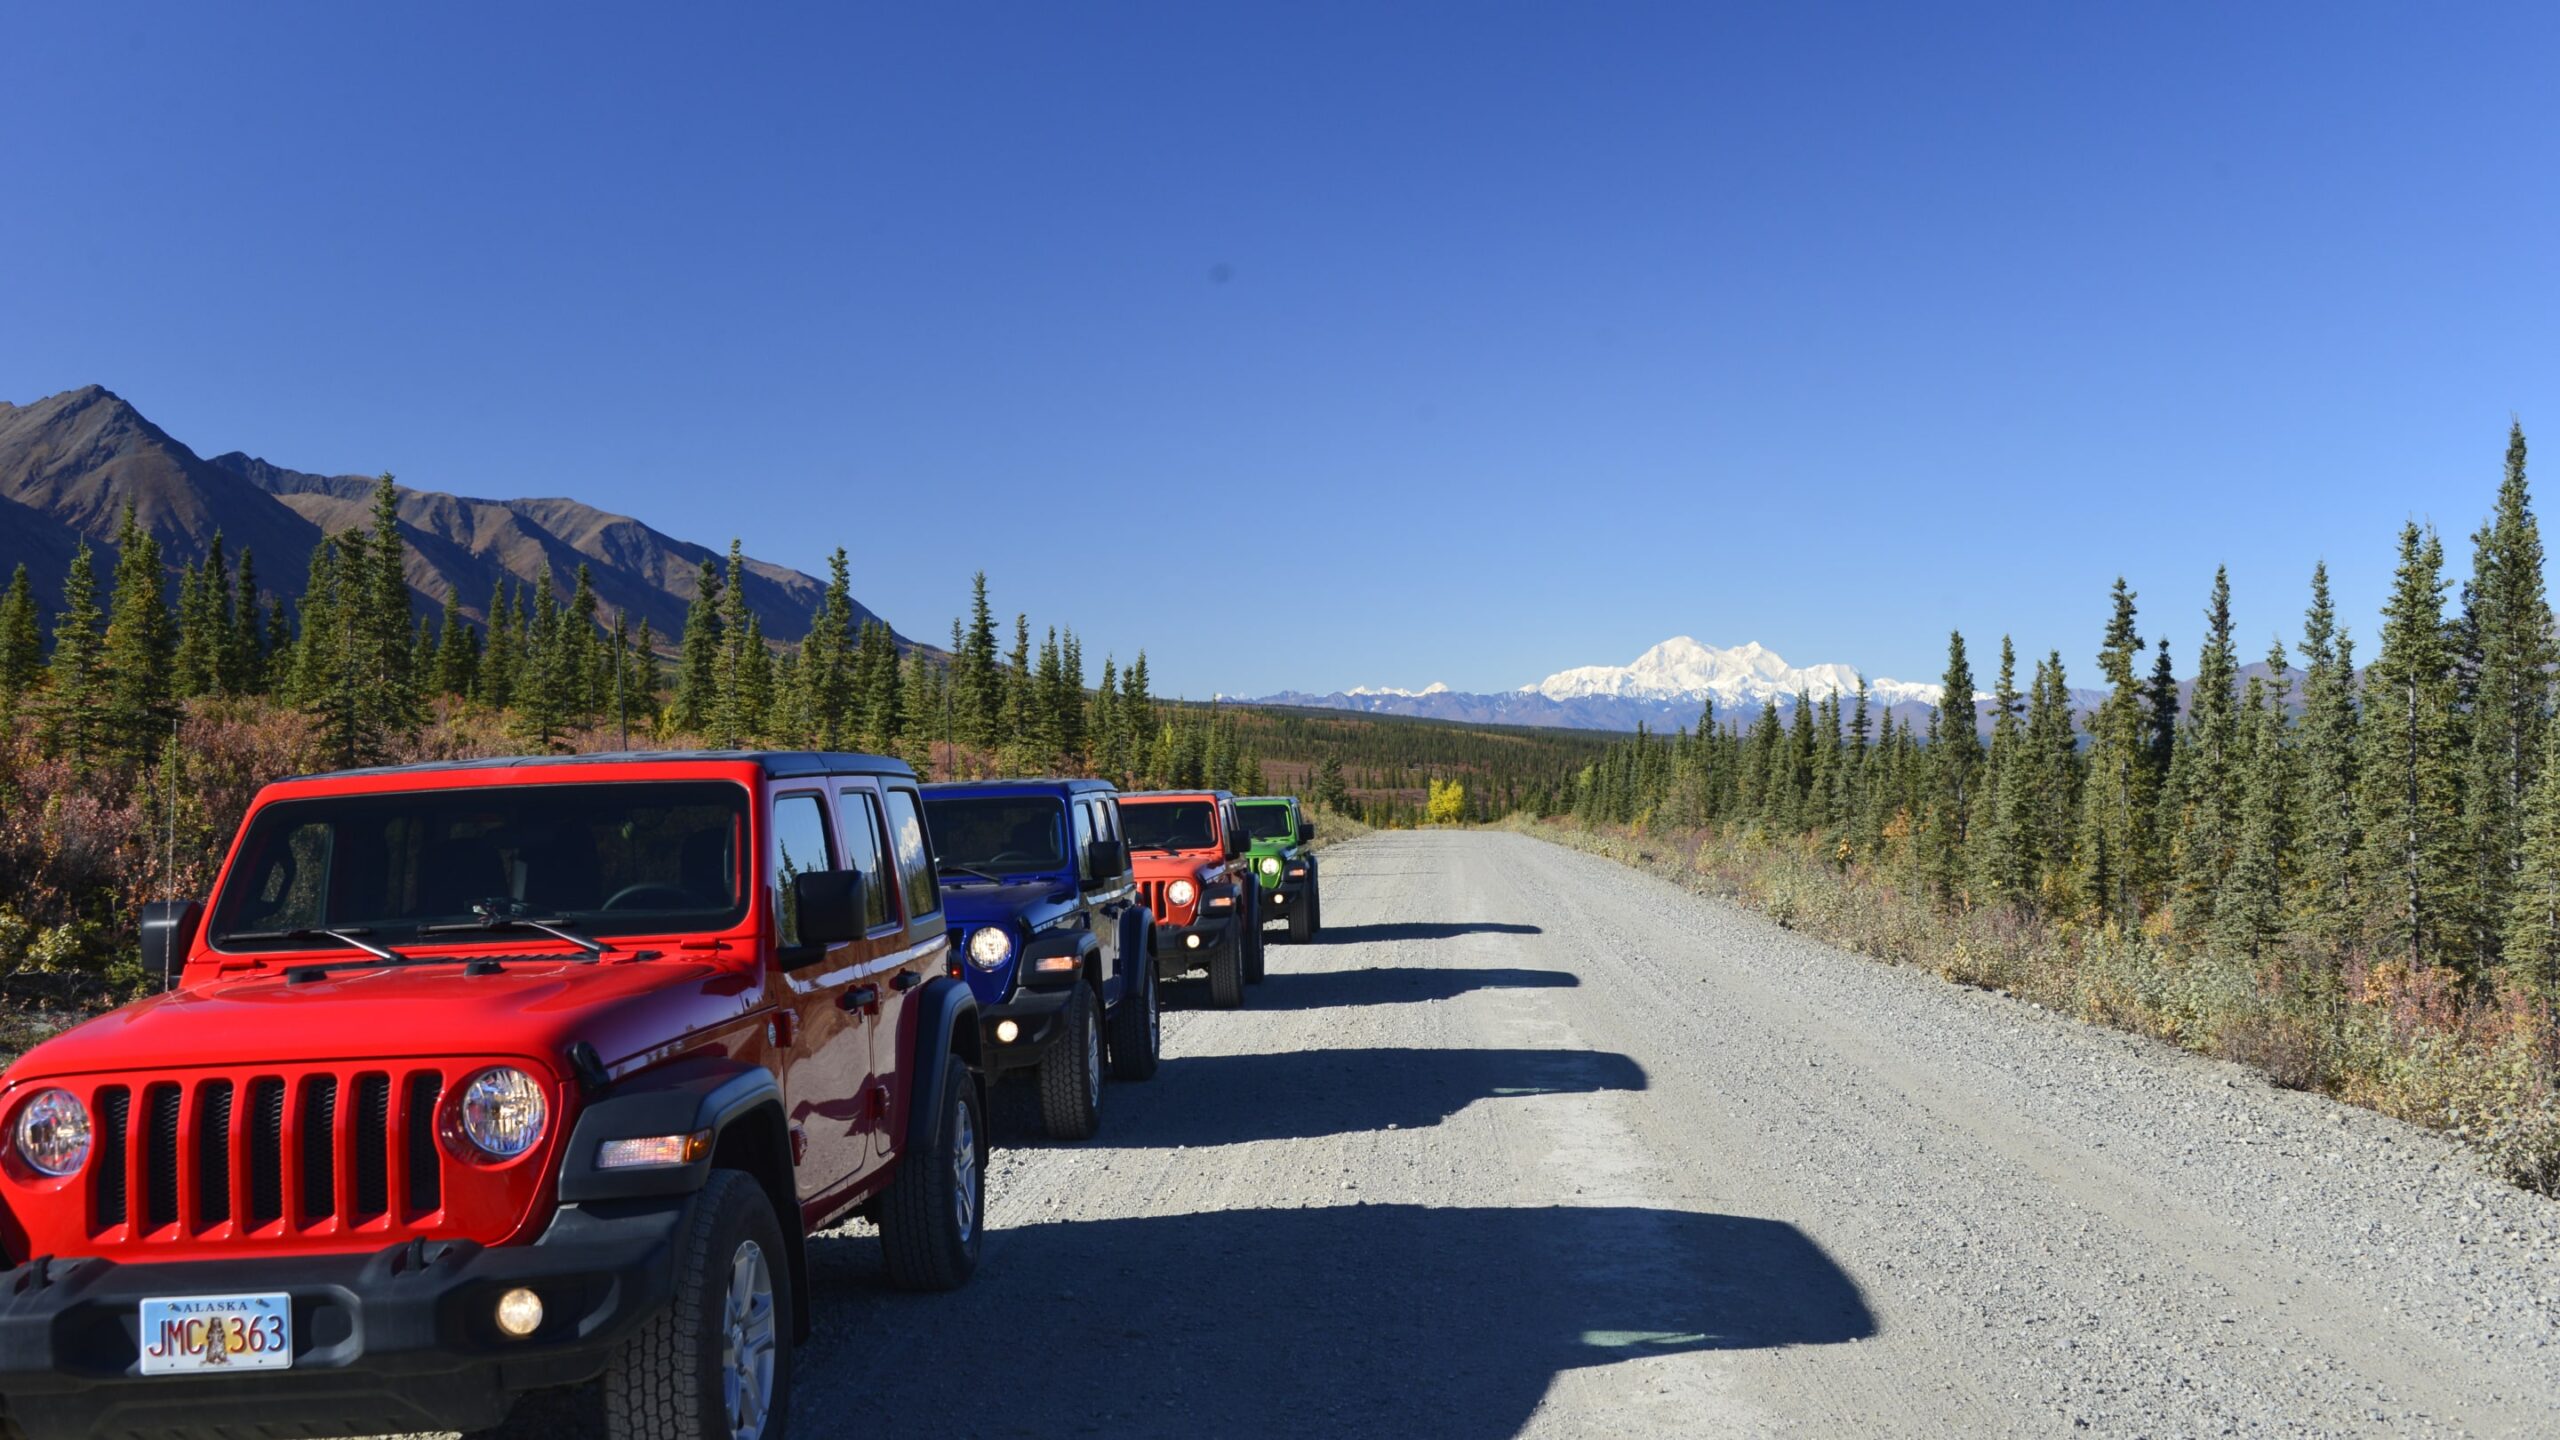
<point>1681,668</point>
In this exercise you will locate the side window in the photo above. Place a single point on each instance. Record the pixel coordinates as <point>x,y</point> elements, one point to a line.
<point>799,847</point>
<point>863,847</point>
<point>1106,819</point>
<point>1084,838</point>
<point>915,858</point>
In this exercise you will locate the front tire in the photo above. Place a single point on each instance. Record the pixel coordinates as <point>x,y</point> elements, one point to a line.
<point>1071,1072</point>
<point>1226,973</point>
<point>1302,921</point>
<point>1255,948</point>
<point>1137,1030</point>
<point>933,1217</point>
<point>715,1364</point>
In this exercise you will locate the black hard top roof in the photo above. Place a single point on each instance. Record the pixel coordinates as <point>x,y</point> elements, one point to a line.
<point>1177,793</point>
<point>780,764</point>
<point>1080,784</point>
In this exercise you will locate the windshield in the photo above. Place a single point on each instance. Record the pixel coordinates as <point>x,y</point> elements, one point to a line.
<point>1265,822</point>
<point>1009,835</point>
<point>612,859</point>
<point>1169,824</point>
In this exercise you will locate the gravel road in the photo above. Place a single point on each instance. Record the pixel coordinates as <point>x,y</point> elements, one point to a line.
<point>1532,1144</point>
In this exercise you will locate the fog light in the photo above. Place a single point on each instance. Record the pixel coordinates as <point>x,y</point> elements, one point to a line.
<point>1007,1032</point>
<point>519,1312</point>
<point>1191,941</point>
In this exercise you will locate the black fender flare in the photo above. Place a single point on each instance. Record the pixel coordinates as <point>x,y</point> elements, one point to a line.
<point>1137,940</point>
<point>1083,944</point>
<point>685,1097</point>
<point>946,1024</point>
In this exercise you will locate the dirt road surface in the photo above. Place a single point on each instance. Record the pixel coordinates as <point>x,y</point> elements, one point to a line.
<point>1530,1144</point>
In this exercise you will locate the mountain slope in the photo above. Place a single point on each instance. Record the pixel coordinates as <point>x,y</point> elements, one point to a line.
<point>71,462</point>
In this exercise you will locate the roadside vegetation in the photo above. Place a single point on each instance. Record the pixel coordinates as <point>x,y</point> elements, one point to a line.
<point>2348,877</point>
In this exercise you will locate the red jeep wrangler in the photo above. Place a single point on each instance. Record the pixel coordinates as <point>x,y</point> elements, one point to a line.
<point>486,1077</point>
<point>1187,849</point>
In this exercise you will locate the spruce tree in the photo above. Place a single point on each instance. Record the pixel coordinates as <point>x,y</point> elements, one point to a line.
<point>1993,836</point>
<point>2208,785</point>
<point>1955,758</point>
<point>2329,839</point>
<point>2113,858</point>
<point>698,653</point>
<point>2249,900</point>
<point>381,599</point>
<point>978,686</point>
<point>587,670</point>
<point>498,660</point>
<point>134,660</point>
<point>455,656</point>
<point>2511,656</point>
<point>2411,770</point>
<point>21,644</point>
<point>73,710</point>
<point>739,687</point>
<point>244,658</point>
<point>1017,730</point>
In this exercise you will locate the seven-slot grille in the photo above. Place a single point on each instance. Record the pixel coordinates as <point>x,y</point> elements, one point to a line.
<point>349,1150</point>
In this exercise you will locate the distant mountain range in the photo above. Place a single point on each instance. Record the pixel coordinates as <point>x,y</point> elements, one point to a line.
<point>70,463</point>
<point>1666,686</point>
<point>1670,685</point>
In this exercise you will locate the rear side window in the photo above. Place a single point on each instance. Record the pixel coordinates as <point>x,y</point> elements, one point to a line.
<point>860,814</point>
<point>799,847</point>
<point>915,862</point>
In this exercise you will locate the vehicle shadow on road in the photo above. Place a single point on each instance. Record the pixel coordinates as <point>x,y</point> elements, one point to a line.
<point>1417,930</point>
<point>1395,985</point>
<point>1400,1320</point>
<point>1199,1100</point>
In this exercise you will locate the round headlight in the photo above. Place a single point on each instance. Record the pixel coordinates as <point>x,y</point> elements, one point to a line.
<point>1270,864</point>
<point>501,1112</point>
<point>1180,892</point>
<point>990,947</point>
<point>53,1133</point>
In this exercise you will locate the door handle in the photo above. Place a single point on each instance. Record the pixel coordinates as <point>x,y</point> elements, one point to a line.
<point>905,980</point>
<point>860,997</point>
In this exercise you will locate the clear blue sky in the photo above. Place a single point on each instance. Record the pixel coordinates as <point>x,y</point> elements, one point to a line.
<point>1476,340</point>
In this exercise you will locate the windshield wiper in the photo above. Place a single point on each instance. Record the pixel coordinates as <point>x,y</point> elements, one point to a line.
<point>351,937</point>
<point>972,870</point>
<point>548,925</point>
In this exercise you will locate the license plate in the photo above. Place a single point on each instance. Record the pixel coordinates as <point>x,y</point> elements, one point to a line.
<point>196,1334</point>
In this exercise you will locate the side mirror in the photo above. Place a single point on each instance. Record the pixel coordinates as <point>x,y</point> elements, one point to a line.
<point>1107,859</point>
<point>829,903</point>
<point>168,932</point>
<point>1306,829</point>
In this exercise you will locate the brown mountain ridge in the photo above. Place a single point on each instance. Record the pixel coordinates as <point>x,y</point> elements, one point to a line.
<point>70,463</point>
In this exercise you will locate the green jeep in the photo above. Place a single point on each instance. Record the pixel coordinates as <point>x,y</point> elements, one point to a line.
<point>1280,838</point>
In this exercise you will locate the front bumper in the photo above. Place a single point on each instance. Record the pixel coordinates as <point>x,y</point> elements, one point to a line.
<point>1281,901</point>
<point>401,1339</point>
<point>1034,1016</point>
<point>1176,955</point>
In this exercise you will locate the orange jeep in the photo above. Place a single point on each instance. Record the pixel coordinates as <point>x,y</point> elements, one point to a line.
<point>1187,849</point>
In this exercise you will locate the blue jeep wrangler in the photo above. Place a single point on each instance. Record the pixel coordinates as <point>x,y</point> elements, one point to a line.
<point>1060,953</point>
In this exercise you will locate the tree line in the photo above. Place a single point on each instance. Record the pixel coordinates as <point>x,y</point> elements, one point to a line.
<point>367,673</point>
<point>2406,812</point>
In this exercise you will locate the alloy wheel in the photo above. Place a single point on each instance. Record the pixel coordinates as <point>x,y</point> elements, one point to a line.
<point>749,1341</point>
